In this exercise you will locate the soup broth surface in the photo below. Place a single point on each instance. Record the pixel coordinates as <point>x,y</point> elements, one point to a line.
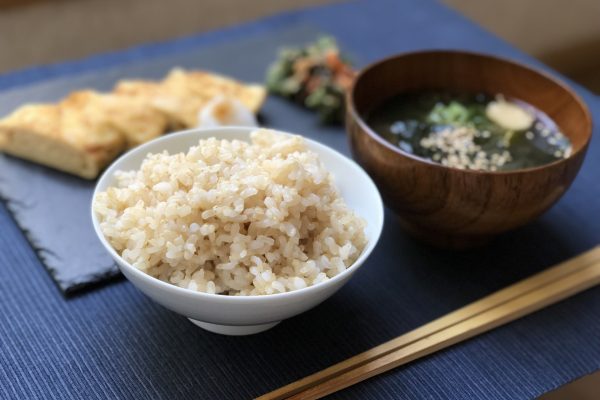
<point>470,131</point>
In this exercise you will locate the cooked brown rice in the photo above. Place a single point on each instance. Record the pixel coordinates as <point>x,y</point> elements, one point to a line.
<point>233,217</point>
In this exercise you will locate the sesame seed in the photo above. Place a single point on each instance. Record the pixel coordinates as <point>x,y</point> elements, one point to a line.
<point>456,147</point>
<point>529,135</point>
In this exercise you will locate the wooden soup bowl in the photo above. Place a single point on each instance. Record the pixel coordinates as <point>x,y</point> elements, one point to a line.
<point>451,207</point>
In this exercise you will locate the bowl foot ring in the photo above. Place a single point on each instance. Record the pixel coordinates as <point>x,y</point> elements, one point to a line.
<point>234,330</point>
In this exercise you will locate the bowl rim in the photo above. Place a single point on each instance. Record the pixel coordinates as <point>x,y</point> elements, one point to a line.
<point>180,291</point>
<point>355,115</point>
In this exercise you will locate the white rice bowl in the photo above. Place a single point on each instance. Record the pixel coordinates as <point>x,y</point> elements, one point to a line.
<point>232,217</point>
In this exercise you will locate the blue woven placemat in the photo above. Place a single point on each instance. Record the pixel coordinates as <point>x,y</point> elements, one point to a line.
<point>116,343</point>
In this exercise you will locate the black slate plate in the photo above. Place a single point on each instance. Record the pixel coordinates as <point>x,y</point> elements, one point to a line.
<point>53,208</point>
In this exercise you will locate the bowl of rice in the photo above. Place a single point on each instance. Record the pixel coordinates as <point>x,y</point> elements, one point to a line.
<point>237,228</point>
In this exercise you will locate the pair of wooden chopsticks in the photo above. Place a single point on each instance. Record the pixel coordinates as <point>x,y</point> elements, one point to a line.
<point>529,295</point>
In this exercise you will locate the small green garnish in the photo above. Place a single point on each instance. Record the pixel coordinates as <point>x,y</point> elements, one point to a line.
<point>453,113</point>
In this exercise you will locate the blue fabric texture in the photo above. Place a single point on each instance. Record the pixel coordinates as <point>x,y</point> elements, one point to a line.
<point>114,342</point>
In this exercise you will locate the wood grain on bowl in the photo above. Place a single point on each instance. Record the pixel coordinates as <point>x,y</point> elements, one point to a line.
<point>452,207</point>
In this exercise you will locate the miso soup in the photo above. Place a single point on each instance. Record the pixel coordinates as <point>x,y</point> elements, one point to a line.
<point>470,131</point>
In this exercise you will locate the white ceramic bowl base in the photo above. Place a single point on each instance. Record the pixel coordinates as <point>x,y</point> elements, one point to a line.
<point>245,315</point>
<point>233,330</point>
